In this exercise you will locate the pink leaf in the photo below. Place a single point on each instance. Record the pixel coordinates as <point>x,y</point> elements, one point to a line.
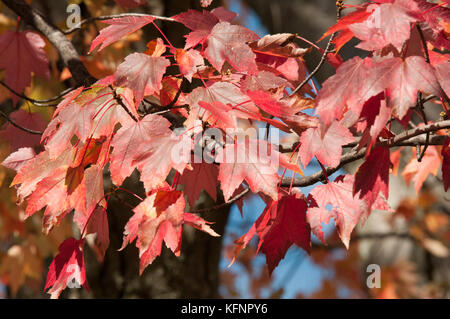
<point>119,27</point>
<point>142,74</point>
<point>22,53</point>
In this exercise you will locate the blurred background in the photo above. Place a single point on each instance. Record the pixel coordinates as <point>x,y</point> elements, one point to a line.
<point>410,244</point>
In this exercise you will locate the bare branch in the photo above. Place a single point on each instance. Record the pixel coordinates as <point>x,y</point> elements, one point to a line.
<point>228,203</point>
<point>41,103</point>
<point>18,125</point>
<point>398,140</point>
<point>115,16</point>
<point>56,37</point>
<point>324,55</point>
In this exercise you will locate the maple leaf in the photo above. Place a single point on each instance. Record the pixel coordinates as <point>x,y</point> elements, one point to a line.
<point>227,42</point>
<point>160,150</point>
<point>64,126</point>
<point>256,162</point>
<point>376,114</point>
<point>419,171</point>
<point>223,92</point>
<point>203,176</point>
<point>199,223</point>
<point>446,163</point>
<point>372,177</point>
<point>38,168</point>
<point>19,158</point>
<point>152,225</point>
<point>326,147</point>
<point>159,155</point>
<point>342,26</point>
<point>67,266</point>
<point>159,218</point>
<point>347,210</point>
<point>90,195</point>
<point>389,23</point>
<point>202,23</point>
<point>188,62</point>
<point>355,81</point>
<point>125,140</point>
<point>264,81</point>
<point>98,113</point>
<point>282,224</point>
<point>19,138</point>
<point>98,225</point>
<point>22,53</point>
<point>406,78</point>
<point>205,3</point>
<point>443,75</point>
<point>221,114</point>
<point>119,27</point>
<point>142,74</point>
<point>279,55</point>
<point>50,192</point>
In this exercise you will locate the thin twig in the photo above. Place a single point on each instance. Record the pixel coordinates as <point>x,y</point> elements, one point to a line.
<point>356,155</point>
<point>115,16</point>
<point>42,103</point>
<point>18,125</point>
<point>324,55</point>
<point>163,108</point>
<point>119,100</point>
<point>420,102</point>
<point>229,202</point>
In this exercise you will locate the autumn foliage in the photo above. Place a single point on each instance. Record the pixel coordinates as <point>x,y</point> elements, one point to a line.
<point>152,111</point>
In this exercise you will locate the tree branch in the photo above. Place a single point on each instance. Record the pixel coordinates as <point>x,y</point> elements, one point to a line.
<point>324,55</point>
<point>42,103</point>
<point>18,125</point>
<point>115,16</point>
<point>66,50</point>
<point>402,138</point>
<point>228,203</point>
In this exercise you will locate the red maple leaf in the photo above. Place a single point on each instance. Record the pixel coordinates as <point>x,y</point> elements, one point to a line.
<point>227,42</point>
<point>98,225</point>
<point>281,224</point>
<point>202,23</point>
<point>347,210</point>
<point>419,171</point>
<point>372,177</point>
<point>160,150</point>
<point>159,218</point>
<point>119,27</point>
<point>141,73</point>
<point>389,23</point>
<point>188,62</point>
<point>22,53</point>
<point>326,147</point>
<point>19,158</point>
<point>67,267</point>
<point>256,162</point>
<point>203,176</point>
